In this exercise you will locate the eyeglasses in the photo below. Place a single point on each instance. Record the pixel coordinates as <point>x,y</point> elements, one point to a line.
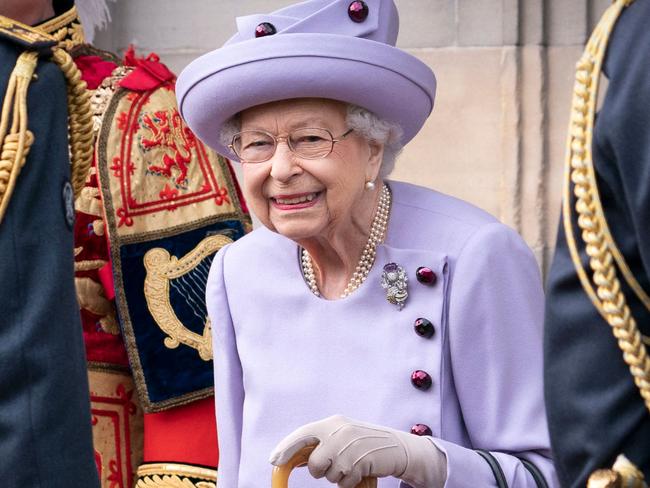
<point>257,146</point>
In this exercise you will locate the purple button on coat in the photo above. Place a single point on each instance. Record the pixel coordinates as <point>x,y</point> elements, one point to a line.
<point>421,380</point>
<point>424,328</point>
<point>421,429</point>
<point>426,276</point>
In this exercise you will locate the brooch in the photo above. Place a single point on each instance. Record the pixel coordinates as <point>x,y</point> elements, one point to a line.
<point>394,281</point>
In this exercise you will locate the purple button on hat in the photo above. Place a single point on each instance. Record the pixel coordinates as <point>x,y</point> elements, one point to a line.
<point>265,29</point>
<point>358,11</point>
<point>334,49</point>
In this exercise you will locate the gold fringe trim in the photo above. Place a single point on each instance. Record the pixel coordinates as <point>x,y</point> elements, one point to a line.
<point>600,247</point>
<point>15,138</point>
<point>103,94</point>
<point>172,475</point>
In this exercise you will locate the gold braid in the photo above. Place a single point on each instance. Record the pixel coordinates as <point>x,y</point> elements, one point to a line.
<point>579,169</point>
<point>16,139</point>
<point>80,120</point>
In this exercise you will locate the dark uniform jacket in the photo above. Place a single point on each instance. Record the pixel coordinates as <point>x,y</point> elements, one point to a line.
<point>45,430</point>
<point>595,410</point>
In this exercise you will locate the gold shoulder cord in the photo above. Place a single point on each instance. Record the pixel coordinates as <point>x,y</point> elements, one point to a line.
<point>17,139</point>
<point>67,30</point>
<point>586,87</point>
<point>80,120</point>
<point>600,246</point>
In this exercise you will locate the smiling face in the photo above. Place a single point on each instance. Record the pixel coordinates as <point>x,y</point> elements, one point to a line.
<point>310,198</point>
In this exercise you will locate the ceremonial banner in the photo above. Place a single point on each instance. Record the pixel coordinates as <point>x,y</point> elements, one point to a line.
<point>171,203</point>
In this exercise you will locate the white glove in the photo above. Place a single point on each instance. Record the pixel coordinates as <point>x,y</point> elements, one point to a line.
<point>349,450</point>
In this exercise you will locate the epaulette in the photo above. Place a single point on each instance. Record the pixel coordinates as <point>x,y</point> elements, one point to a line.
<point>28,37</point>
<point>15,137</point>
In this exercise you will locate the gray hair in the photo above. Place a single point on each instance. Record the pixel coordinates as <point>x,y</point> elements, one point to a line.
<point>364,122</point>
<point>374,129</point>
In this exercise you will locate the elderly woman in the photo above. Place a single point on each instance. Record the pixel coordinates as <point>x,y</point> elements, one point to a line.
<point>396,328</point>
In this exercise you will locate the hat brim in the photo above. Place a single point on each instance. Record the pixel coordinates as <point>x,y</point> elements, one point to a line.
<point>378,77</point>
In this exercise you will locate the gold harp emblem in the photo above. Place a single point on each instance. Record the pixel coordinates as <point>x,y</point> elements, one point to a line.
<point>187,278</point>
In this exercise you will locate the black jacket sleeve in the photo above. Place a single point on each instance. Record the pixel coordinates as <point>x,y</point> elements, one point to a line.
<point>45,429</point>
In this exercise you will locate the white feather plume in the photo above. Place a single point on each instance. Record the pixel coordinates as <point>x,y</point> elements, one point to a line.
<point>94,15</point>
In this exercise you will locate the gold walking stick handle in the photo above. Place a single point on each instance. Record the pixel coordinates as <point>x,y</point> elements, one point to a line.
<point>280,477</point>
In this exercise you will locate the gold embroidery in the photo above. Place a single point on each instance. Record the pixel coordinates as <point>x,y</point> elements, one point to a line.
<point>169,475</point>
<point>88,265</point>
<point>59,21</point>
<point>103,94</point>
<point>66,29</point>
<point>88,202</point>
<point>25,33</point>
<point>99,227</point>
<point>171,482</point>
<point>90,295</point>
<point>161,269</point>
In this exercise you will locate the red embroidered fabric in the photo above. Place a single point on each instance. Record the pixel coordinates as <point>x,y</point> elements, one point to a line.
<point>102,336</point>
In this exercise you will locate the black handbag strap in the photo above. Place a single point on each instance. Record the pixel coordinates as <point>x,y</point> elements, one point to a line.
<point>537,475</point>
<point>495,467</point>
<point>500,478</point>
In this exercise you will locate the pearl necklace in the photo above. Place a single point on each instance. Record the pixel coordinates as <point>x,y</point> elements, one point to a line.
<point>377,234</point>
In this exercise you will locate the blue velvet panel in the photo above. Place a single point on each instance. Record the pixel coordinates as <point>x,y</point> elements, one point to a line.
<point>169,373</point>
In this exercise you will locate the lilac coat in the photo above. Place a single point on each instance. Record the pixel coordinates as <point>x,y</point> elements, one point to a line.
<point>284,357</point>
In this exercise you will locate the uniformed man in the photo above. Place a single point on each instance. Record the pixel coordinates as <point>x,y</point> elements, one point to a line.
<point>152,188</point>
<point>45,425</point>
<point>598,310</point>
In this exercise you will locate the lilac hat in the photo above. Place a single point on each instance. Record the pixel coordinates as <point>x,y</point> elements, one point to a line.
<point>338,49</point>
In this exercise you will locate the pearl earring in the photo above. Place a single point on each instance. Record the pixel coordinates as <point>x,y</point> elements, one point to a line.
<point>370,185</point>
